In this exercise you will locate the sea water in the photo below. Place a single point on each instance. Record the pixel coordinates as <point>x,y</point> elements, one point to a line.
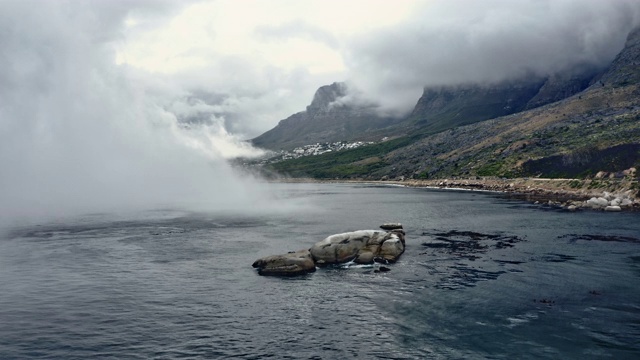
<point>482,277</point>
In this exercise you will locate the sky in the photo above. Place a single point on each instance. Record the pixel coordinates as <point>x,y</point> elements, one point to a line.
<point>109,104</point>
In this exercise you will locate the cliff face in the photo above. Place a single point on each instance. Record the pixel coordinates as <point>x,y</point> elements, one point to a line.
<point>561,86</point>
<point>325,98</point>
<point>625,68</point>
<point>326,119</point>
<point>442,108</point>
<point>445,107</point>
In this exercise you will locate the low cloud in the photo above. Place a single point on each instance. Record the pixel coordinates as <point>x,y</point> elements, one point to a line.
<point>80,134</point>
<point>467,41</point>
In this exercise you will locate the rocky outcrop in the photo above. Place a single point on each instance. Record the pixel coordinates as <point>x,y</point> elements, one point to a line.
<point>561,86</point>
<point>625,68</point>
<point>361,247</point>
<point>446,107</point>
<point>326,97</point>
<point>292,263</point>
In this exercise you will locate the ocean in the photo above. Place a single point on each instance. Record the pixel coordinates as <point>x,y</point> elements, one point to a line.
<point>483,277</point>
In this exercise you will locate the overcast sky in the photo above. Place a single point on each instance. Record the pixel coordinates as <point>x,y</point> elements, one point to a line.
<point>266,58</point>
<point>106,102</point>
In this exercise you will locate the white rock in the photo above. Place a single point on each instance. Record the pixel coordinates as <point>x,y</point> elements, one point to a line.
<point>607,195</point>
<point>597,202</point>
<point>626,202</point>
<point>612,208</point>
<point>571,208</point>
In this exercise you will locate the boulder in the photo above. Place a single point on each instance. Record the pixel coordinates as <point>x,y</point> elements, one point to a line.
<point>597,202</point>
<point>293,263</point>
<point>626,202</point>
<point>612,208</point>
<point>363,247</point>
<point>391,226</point>
<point>340,248</point>
<point>391,249</point>
<point>601,174</point>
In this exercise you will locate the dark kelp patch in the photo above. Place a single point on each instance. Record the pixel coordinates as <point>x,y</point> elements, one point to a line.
<point>471,253</point>
<point>457,241</point>
<point>612,238</point>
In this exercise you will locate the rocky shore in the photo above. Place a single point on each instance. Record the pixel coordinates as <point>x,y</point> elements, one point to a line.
<point>572,194</point>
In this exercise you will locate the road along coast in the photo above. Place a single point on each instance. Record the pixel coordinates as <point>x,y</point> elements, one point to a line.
<point>573,194</point>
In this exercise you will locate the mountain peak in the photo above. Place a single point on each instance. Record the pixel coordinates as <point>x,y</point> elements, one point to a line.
<point>325,95</point>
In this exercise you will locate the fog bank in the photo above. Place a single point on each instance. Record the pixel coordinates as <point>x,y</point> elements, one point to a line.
<point>79,133</point>
<point>467,41</point>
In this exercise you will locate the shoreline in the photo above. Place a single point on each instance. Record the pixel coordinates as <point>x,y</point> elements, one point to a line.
<point>572,194</point>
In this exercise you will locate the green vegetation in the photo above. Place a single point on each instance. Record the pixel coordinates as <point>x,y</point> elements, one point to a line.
<point>574,184</point>
<point>491,169</point>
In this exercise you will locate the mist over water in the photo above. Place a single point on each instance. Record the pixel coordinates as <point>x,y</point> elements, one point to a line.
<point>80,134</point>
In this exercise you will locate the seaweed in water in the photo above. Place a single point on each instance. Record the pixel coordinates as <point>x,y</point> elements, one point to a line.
<point>586,237</point>
<point>467,250</point>
<point>456,241</point>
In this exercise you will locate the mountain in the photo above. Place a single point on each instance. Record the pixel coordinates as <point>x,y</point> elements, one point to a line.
<point>594,128</point>
<point>329,118</point>
<point>441,108</point>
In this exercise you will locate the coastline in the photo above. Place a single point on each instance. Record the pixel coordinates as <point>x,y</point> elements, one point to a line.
<point>572,194</point>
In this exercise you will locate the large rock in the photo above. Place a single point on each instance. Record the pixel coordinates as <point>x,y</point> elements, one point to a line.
<point>391,226</point>
<point>293,263</point>
<point>598,202</point>
<point>363,247</point>
<point>391,249</point>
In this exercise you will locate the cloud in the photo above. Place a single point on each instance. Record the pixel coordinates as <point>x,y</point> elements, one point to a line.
<point>467,41</point>
<point>79,133</point>
<point>297,28</point>
<point>261,65</point>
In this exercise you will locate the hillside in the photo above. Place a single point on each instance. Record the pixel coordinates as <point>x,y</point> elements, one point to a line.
<point>595,129</point>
